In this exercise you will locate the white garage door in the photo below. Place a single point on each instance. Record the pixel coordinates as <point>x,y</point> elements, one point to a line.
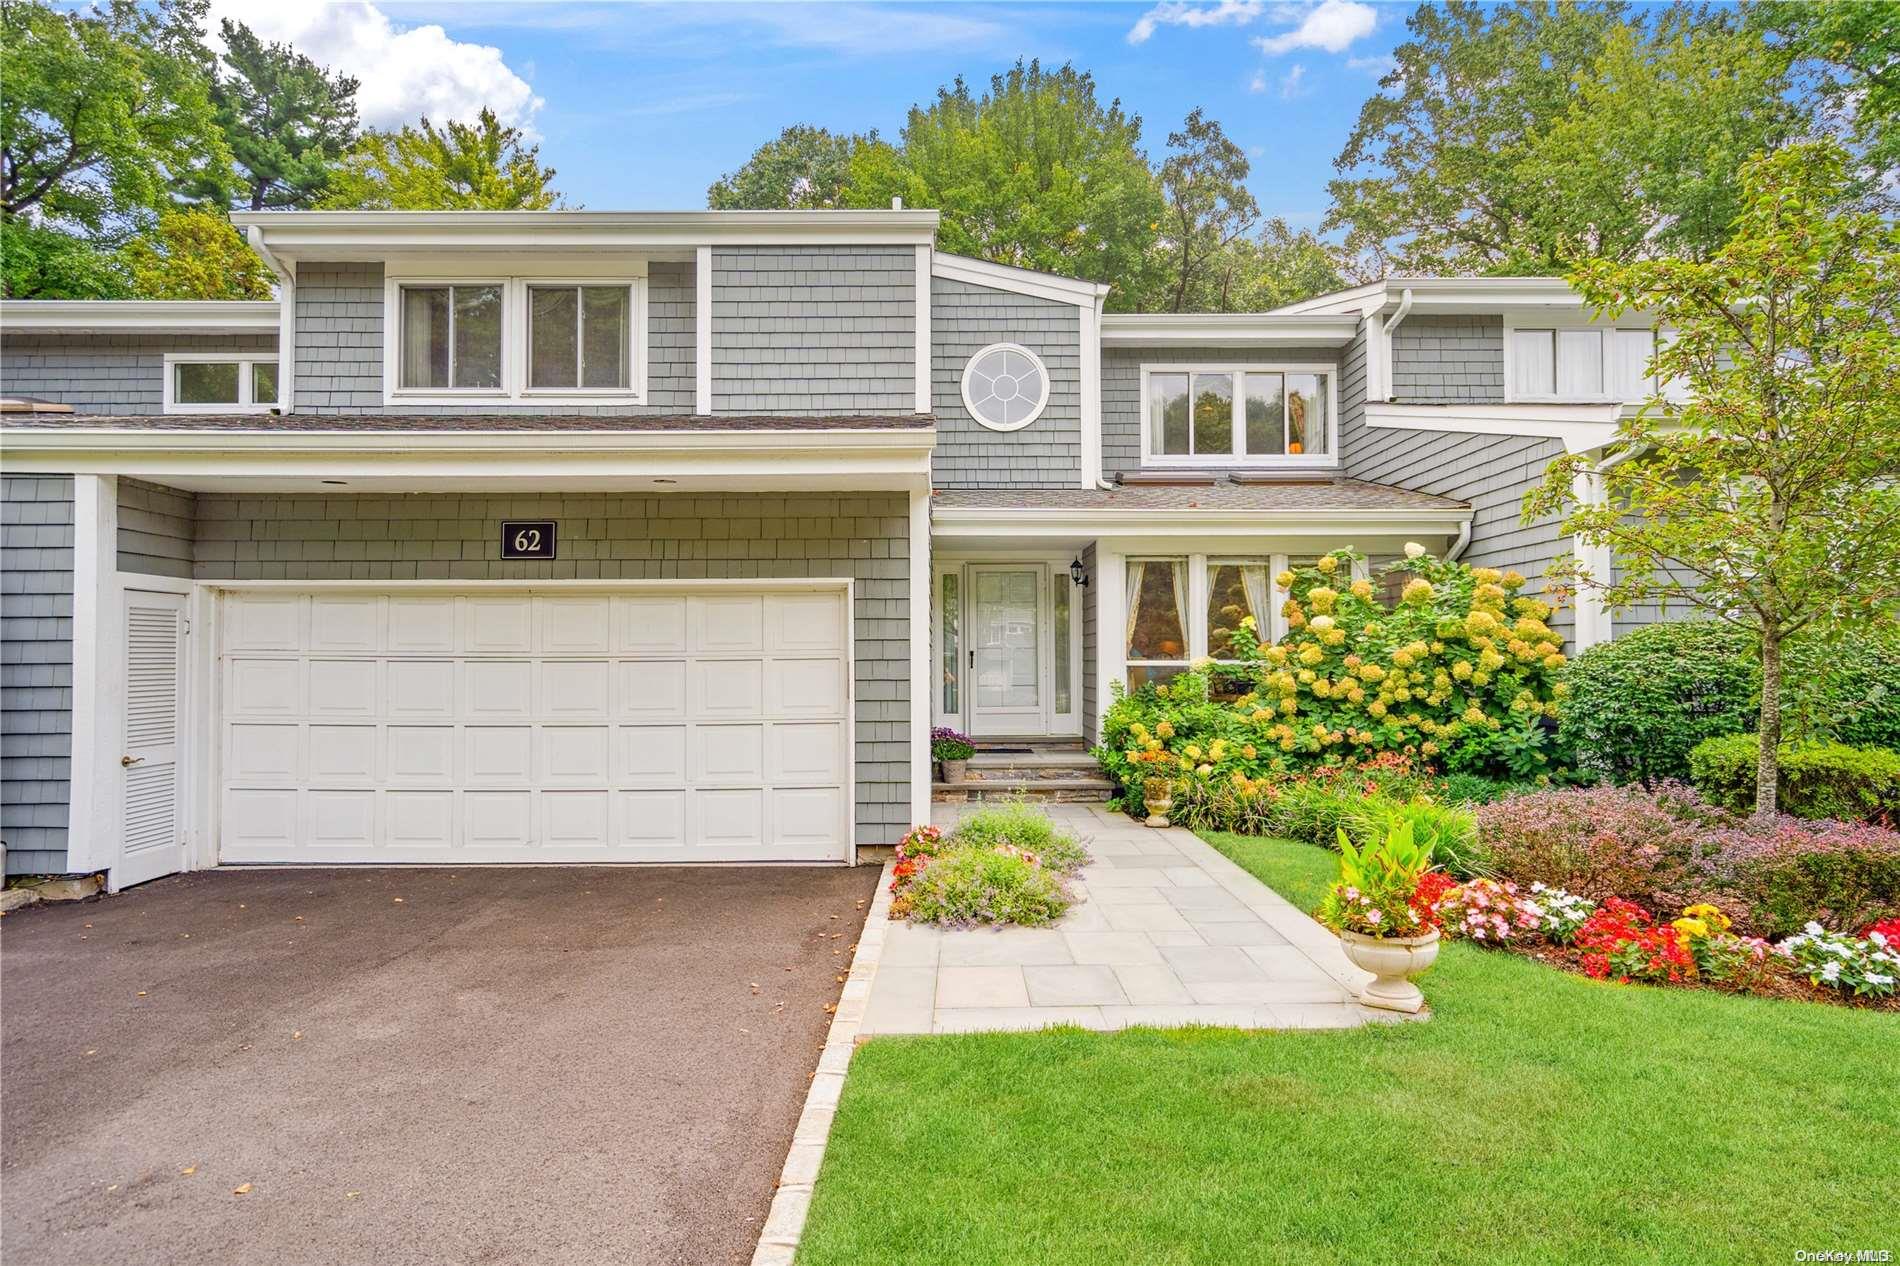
<point>535,727</point>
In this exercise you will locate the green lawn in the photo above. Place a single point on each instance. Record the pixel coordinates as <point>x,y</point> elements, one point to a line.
<point>1539,1117</point>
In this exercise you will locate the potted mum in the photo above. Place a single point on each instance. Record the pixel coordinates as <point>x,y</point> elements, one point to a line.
<point>951,750</point>
<point>1382,926</point>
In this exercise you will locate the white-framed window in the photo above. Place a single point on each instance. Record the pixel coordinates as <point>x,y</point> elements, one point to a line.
<point>1237,588</point>
<point>1157,627</point>
<point>474,339</point>
<point>1239,415</point>
<point>1005,387</point>
<point>1577,361</point>
<point>220,382</point>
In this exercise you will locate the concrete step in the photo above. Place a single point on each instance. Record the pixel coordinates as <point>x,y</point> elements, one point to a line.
<point>1032,760</point>
<point>1058,790</point>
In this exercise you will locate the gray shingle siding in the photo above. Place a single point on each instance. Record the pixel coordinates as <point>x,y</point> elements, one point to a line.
<point>339,345</point>
<point>1492,472</point>
<point>814,329</point>
<point>449,536</point>
<point>1449,360</point>
<point>155,529</point>
<point>964,319</point>
<point>36,670</point>
<point>119,373</point>
<point>1121,388</point>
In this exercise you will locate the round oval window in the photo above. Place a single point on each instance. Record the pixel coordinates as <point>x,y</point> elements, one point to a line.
<point>1005,386</point>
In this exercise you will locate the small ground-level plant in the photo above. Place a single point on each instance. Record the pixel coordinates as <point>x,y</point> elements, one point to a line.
<point>1004,863</point>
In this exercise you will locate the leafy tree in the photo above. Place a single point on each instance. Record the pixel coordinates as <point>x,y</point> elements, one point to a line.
<point>480,166</point>
<point>39,261</point>
<point>1271,268</point>
<point>1523,137</point>
<point>287,120</point>
<point>1205,183</point>
<point>804,169</point>
<point>195,254</point>
<point>1768,497</point>
<point>1036,172</point>
<point>1848,55</point>
<point>103,111</point>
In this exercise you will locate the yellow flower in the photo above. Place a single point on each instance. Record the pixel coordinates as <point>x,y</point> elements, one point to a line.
<point>1327,564</point>
<point>1322,622</point>
<point>1249,751</point>
<point>1691,929</point>
<point>1322,597</point>
<point>1310,654</point>
<point>1513,580</point>
<point>1417,591</point>
<point>1164,729</point>
<point>1247,622</point>
<point>1486,575</point>
<point>1333,637</point>
<point>1706,914</point>
<point>1284,580</point>
<point>1193,750</point>
<point>1204,770</point>
<point>1376,707</point>
<point>1362,590</point>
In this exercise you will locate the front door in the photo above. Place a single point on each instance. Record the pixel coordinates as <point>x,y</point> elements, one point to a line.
<point>1006,651</point>
<point>153,835</point>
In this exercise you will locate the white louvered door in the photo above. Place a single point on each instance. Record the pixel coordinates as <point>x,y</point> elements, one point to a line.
<point>154,695</point>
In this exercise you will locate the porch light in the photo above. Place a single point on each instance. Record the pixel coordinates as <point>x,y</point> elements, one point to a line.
<point>1076,573</point>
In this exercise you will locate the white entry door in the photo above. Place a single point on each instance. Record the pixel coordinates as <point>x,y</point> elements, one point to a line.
<point>1006,651</point>
<point>153,836</point>
<point>547,726</point>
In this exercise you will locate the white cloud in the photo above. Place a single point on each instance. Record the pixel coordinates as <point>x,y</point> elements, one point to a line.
<point>403,72</point>
<point>1293,84</point>
<point>1373,65</point>
<point>1181,13</point>
<point>1258,83</point>
<point>1332,26</point>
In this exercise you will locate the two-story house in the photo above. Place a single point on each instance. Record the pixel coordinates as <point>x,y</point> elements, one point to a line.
<point>593,536</point>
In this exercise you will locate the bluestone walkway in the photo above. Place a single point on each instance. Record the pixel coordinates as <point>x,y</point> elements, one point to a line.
<point>1166,931</point>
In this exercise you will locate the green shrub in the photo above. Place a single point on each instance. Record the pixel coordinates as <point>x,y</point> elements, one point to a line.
<point>1027,828</point>
<point>1842,875</point>
<point>1638,705</point>
<point>981,885</point>
<point>1448,832</point>
<point>1818,780</point>
<point>1473,789</point>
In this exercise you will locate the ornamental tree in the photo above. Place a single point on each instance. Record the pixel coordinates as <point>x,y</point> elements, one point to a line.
<point>1768,496</point>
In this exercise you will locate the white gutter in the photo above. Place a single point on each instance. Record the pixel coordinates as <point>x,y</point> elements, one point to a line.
<point>139,316</point>
<point>1145,329</point>
<point>1405,310</point>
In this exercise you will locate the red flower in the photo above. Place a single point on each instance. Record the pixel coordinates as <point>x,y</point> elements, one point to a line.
<point>1889,928</point>
<point>1432,885</point>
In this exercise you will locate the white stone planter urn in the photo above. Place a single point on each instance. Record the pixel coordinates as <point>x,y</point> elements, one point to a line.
<point>1158,813</point>
<point>1393,961</point>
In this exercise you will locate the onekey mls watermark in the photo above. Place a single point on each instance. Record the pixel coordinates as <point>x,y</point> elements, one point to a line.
<point>1843,1255</point>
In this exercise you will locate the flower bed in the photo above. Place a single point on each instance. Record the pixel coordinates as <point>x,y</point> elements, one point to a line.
<point>1003,864</point>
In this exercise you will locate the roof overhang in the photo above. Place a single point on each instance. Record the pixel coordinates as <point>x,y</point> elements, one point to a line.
<point>1446,296</point>
<point>347,235</point>
<point>139,316</point>
<point>1581,427</point>
<point>1169,329</point>
<point>1022,281</point>
<point>951,522</point>
<point>415,461</point>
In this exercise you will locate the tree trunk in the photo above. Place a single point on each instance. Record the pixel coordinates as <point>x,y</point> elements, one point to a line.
<point>1768,767</point>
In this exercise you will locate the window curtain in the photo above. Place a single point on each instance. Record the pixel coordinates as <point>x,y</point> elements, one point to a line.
<point>1179,567</point>
<point>1135,573</point>
<point>1253,578</point>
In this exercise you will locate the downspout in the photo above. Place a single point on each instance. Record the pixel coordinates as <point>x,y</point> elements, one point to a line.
<point>1385,334</point>
<point>286,318</point>
<point>1458,546</point>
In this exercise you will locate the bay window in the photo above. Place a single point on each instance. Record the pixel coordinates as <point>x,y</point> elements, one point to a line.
<point>1245,414</point>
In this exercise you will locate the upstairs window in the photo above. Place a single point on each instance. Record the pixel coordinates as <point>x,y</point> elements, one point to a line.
<point>213,382</point>
<point>578,337</point>
<point>1585,363</point>
<point>451,337</point>
<point>1238,415</point>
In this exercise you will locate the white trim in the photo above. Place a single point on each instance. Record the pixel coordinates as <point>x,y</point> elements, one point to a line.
<point>287,344</point>
<point>921,298</point>
<point>246,363</point>
<point>920,660</point>
<point>1579,426</point>
<point>1110,583</point>
<point>1349,300</point>
<point>1091,328</point>
<point>80,439</point>
<point>969,368</point>
<point>1249,329</point>
<point>98,689</point>
<point>635,392</point>
<point>1022,521</point>
<point>1236,456</point>
<point>1022,281</point>
<point>141,316</point>
<point>702,331</point>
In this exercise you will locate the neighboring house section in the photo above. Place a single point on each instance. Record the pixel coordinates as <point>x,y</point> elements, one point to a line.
<point>599,537</point>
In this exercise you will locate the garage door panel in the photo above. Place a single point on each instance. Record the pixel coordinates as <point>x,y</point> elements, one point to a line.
<point>727,625</point>
<point>346,622</point>
<point>652,690</point>
<point>346,754</point>
<point>653,755</point>
<point>806,753</point>
<point>421,626</point>
<point>420,754</point>
<point>344,688</point>
<point>574,689</point>
<point>497,690</point>
<point>518,726</point>
<point>727,688</point>
<point>264,754</point>
<point>420,689</point>
<point>264,688</point>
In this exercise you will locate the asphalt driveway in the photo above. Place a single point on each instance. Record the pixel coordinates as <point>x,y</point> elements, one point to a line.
<point>413,1065</point>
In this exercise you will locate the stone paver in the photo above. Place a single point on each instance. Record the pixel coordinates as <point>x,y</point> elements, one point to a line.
<point>1165,931</point>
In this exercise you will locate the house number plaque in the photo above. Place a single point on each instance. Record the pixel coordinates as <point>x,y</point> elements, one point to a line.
<point>528,539</point>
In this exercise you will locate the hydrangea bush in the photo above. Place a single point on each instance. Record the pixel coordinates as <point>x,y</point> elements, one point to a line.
<point>1461,673</point>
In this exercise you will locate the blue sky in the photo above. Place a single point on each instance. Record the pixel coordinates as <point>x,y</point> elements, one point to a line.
<point>643,105</point>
